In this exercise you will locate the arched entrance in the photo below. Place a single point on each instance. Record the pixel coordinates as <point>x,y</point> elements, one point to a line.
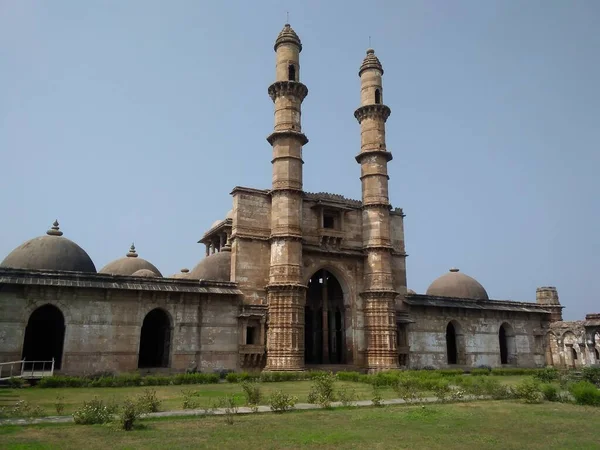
<point>451,347</point>
<point>324,328</point>
<point>45,336</point>
<point>508,348</point>
<point>155,340</point>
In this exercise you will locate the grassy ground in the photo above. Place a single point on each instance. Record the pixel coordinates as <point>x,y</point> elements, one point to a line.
<point>481,425</point>
<point>172,396</point>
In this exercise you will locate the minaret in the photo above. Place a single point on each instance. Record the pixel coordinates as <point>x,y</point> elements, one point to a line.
<point>285,292</point>
<point>378,295</point>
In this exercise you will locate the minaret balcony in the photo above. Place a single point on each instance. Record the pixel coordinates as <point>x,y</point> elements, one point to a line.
<point>374,111</point>
<point>294,88</point>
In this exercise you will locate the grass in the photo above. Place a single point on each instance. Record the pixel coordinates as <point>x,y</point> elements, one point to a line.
<point>172,396</point>
<point>479,425</point>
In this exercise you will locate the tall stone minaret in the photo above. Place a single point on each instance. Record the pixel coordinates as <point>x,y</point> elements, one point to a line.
<point>285,292</point>
<point>378,296</point>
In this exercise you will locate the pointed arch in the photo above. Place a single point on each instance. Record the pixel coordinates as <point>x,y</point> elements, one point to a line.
<point>455,343</point>
<point>155,340</point>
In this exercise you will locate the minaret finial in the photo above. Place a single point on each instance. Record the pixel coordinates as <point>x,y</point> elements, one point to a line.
<point>287,17</point>
<point>369,41</point>
<point>54,231</point>
<point>132,253</point>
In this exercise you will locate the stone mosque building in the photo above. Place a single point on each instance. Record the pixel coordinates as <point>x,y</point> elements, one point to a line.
<point>291,280</point>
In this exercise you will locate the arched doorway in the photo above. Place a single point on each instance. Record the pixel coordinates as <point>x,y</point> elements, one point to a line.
<point>506,341</point>
<point>324,328</point>
<point>451,347</point>
<point>45,336</point>
<point>155,340</point>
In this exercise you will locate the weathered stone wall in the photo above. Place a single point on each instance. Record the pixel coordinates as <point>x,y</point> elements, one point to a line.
<point>102,327</point>
<point>570,346</point>
<point>477,337</point>
<point>398,256</point>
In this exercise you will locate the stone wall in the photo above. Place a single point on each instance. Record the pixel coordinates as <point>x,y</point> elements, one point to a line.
<point>102,327</point>
<point>477,337</point>
<point>570,345</point>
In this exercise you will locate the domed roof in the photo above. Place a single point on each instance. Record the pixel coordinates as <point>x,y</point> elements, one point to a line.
<point>457,285</point>
<point>410,292</point>
<point>183,274</point>
<point>129,264</point>
<point>287,35</point>
<point>229,214</point>
<point>370,62</point>
<point>214,267</point>
<point>50,252</point>
<point>144,273</point>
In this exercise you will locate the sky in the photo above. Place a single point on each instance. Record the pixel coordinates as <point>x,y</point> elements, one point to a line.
<point>132,121</point>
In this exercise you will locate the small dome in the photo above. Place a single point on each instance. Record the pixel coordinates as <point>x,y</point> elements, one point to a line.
<point>457,285</point>
<point>229,214</point>
<point>411,292</point>
<point>288,35</point>
<point>129,264</point>
<point>370,62</point>
<point>144,273</point>
<point>214,267</point>
<point>183,274</point>
<point>50,252</point>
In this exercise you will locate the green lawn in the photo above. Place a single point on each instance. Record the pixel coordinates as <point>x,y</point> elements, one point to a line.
<point>172,396</point>
<point>479,425</point>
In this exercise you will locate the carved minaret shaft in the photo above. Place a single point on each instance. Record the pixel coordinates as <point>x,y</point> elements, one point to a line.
<point>378,295</point>
<point>285,292</point>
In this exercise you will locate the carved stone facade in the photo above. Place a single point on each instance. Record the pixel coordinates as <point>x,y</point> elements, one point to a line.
<point>290,280</point>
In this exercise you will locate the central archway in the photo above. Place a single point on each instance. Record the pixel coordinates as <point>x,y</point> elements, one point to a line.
<point>44,336</point>
<point>324,327</point>
<point>155,340</point>
<point>506,341</point>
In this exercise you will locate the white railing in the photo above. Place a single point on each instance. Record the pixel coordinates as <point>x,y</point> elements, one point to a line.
<point>26,369</point>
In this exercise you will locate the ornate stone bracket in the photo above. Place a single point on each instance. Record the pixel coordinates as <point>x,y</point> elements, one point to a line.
<point>294,88</point>
<point>375,111</point>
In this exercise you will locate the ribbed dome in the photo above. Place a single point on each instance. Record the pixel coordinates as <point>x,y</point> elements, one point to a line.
<point>214,267</point>
<point>457,285</point>
<point>129,264</point>
<point>50,252</point>
<point>183,274</point>
<point>144,273</point>
<point>370,62</point>
<point>287,35</point>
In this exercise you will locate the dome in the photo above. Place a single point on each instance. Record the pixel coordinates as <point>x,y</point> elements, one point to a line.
<point>287,35</point>
<point>370,62</point>
<point>50,252</point>
<point>183,274</point>
<point>229,214</point>
<point>457,285</point>
<point>410,292</point>
<point>144,273</point>
<point>215,267</point>
<point>129,264</point>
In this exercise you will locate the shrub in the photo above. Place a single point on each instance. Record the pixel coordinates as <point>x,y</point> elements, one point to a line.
<point>128,415</point>
<point>457,395</point>
<point>59,404</point>
<point>348,376</point>
<point>281,402</point>
<point>252,393</point>
<point>377,398</point>
<point>92,412</point>
<point>148,401</point>
<point>230,408</point>
<point>322,391</point>
<point>591,374</point>
<point>480,372</point>
<point>408,390</point>
<point>15,383</point>
<point>347,395</point>
<point>550,392</point>
<point>547,375</point>
<point>585,393</point>
<point>529,391</point>
<point>189,402</point>
<point>442,391</point>
<point>22,408</point>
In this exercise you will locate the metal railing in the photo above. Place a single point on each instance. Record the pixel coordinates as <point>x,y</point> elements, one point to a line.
<point>26,369</point>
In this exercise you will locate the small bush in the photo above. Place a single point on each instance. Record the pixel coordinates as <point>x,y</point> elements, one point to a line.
<point>529,391</point>
<point>322,391</point>
<point>189,400</point>
<point>442,391</point>
<point>252,393</point>
<point>550,392</point>
<point>21,409</point>
<point>457,395</point>
<point>480,372</point>
<point>547,375</point>
<point>280,402</point>
<point>348,376</point>
<point>59,405</point>
<point>128,415</point>
<point>15,383</point>
<point>148,401</point>
<point>347,395</point>
<point>377,398</point>
<point>585,393</point>
<point>230,407</point>
<point>93,412</point>
<point>591,374</point>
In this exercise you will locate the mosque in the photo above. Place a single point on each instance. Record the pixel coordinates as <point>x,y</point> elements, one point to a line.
<point>291,280</point>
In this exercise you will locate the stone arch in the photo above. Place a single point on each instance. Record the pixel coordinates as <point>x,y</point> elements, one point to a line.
<point>455,343</point>
<point>35,304</point>
<point>507,343</point>
<point>44,336</point>
<point>156,335</point>
<point>569,341</point>
<point>337,272</point>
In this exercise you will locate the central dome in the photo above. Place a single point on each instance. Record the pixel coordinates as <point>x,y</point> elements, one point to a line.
<point>457,285</point>
<point>129,265</point>
<point>50,252</point>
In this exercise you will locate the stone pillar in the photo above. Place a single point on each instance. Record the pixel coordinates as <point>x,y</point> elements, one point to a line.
<point>286,295</point>
<point>548,296</point>
<point>379,294</point>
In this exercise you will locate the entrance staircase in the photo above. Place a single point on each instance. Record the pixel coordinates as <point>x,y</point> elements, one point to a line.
<point>27,370</point>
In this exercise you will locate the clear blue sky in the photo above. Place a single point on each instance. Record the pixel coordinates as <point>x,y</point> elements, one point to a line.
<point>133,120</point>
